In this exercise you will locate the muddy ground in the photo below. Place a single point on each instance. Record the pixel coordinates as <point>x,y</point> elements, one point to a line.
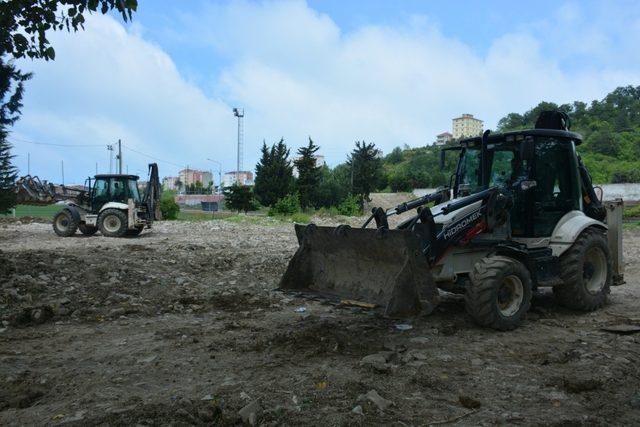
<point>182,326</point>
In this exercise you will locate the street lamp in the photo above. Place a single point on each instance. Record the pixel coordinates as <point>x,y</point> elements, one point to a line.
<point>219,174</point>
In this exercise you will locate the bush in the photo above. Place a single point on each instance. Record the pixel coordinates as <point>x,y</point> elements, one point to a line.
<point>626,176</point>
<point>288,205</point>
<point>300,217</point>
<point>169,208</point>
<point>350,206</point>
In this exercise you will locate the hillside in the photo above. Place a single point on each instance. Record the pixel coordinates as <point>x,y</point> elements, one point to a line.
<point>611,147</point>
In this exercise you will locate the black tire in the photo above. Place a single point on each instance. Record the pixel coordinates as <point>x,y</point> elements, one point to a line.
<point>64,224</point>
<point>499,293</point>
<point>87,230</point>
<point>113,223</point>
<point>136,231</point>
<point>585,285</point>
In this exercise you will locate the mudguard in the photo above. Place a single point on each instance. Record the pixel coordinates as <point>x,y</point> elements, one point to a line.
<point>569,228</point>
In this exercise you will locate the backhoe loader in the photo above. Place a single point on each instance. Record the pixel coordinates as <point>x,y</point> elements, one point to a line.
<point>109,203</point>
<point>521,213</point>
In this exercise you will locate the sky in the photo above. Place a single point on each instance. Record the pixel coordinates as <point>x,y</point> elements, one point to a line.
<point>392,73</point>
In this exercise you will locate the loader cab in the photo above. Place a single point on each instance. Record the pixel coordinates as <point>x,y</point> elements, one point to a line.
<point>538,168</point>
<point>114,188</point>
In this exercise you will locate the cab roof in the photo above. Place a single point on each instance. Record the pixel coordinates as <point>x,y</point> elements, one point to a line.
<point>519,135</point>
<point>115,175</point>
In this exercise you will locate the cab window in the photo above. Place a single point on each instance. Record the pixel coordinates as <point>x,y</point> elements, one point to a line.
<point>118,191</point>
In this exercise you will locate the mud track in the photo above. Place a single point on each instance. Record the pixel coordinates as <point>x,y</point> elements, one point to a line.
<point>182,326</point>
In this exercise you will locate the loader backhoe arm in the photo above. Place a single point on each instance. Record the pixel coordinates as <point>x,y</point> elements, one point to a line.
<point>31,190</point>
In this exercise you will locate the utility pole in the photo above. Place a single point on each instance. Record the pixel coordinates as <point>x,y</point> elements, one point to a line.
<point>110,148</point>
<point>239,113</point>
<point>96,168</point>
<point>219,174</point>
<point>62,168</point>
<point>120,157</point>
<point>28,163</point>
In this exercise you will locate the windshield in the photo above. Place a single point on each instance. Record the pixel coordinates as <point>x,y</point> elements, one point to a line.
<point>503,168</point>
<point>133,191</point>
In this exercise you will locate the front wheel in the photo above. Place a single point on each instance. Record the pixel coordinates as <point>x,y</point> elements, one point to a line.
<point>499,293</point>
<point>586,272</point>
<point>113,223</point>
<point>64,225</point>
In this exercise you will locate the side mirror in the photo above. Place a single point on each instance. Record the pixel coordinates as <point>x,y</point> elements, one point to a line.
<point>528,184</point>
<point>527,149</point>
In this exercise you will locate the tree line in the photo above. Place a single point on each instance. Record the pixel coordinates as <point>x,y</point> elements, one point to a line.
<point>343,189</point>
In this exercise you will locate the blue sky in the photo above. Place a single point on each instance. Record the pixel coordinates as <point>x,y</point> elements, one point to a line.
<point>393,73</point>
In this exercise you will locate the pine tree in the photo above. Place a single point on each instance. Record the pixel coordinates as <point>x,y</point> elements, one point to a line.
<point>239,198</point>
<point>274,174</point>
<point>11,91</point>
<point>309,175</point>
<point>366,169</point>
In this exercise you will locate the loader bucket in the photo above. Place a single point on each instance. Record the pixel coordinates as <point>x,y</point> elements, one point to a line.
<point>384,267</point>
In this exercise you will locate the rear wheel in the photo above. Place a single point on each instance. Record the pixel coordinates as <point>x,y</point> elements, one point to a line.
<point>113,223</point>
<point>586,272</point>
<point>499,293</point>
<point>64,225</point>
<point>88,230</point>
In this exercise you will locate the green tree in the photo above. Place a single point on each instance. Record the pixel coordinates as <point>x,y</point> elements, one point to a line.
<point>25,23</point>
<point>334,185</point>
<point>604,142</point>
<point>168,206</point>
<point>274,174</point>
<point>240,198</point>
<point>309,175</point>
<point>366,169</point>
<point>395,157</point>
<point>11,90</point>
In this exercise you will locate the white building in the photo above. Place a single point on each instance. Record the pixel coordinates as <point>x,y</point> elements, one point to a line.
<point>443,138</point>
<point>466,126</point>
<point>244,177</point>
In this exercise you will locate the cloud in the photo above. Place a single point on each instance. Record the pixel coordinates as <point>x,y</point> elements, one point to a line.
<point>297,74</point>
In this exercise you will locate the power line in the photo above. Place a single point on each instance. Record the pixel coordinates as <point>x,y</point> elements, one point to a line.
<point>13,140</point>
<point>151,157</point>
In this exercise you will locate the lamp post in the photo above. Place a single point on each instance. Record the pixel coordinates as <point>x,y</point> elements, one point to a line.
<point>219,174</point>
<point>239,113</point>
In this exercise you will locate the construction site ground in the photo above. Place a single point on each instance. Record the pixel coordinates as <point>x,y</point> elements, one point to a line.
<point>182,326</point>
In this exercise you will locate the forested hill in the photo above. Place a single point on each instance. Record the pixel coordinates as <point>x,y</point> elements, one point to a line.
<point>611,147</point>
<point>610,128</point>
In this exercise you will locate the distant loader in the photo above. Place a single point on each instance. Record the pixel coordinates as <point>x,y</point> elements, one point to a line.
<point>110,203</point>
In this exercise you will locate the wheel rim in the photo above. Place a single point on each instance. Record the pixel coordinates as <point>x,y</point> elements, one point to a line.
<point>510,295</point>
<point>62,222</point>
<point>112,223</point>
<point>594,270</point>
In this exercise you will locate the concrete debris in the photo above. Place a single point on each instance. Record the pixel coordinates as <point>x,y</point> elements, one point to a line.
<point>357,410</point>
<point>251,413</point>
<point>381,403</point>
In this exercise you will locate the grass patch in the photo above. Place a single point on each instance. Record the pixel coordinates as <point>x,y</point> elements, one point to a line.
<point>36,211</point>
<point>631,212</point>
